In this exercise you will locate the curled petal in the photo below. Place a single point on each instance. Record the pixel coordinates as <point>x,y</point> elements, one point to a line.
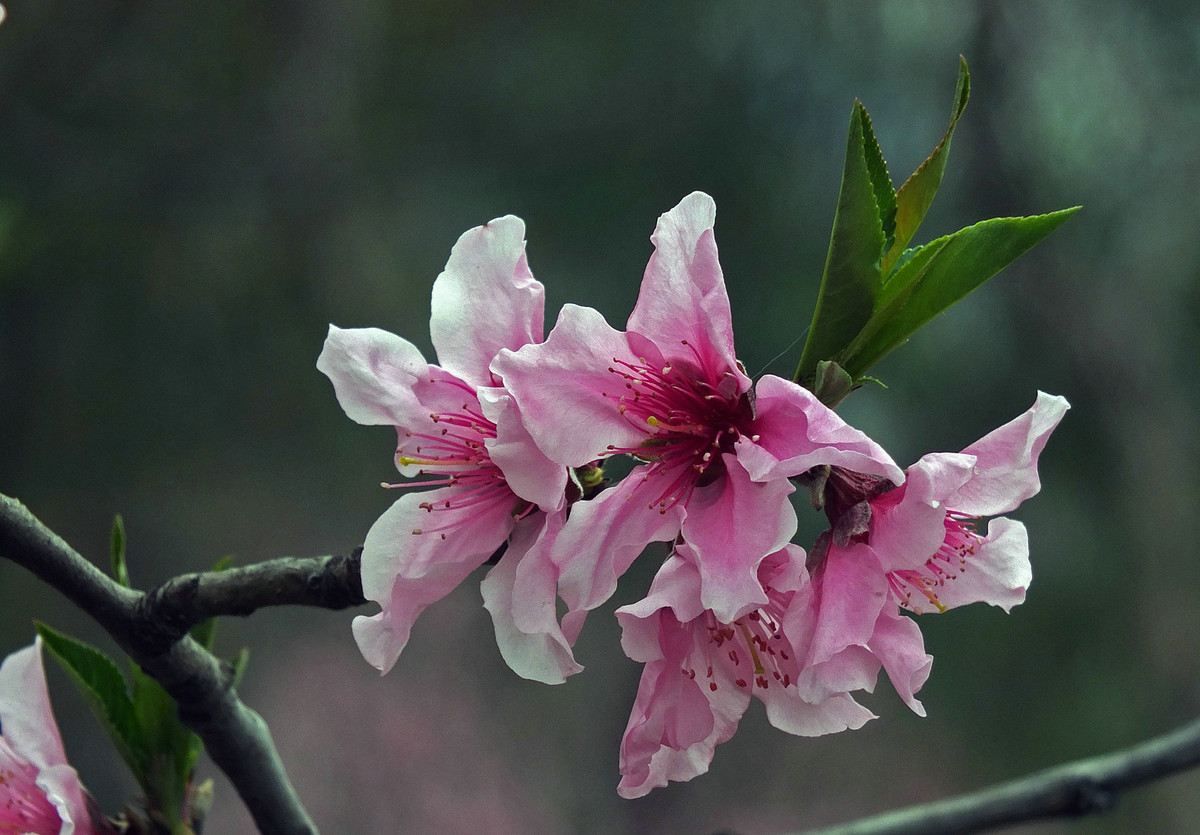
<point>486,299</point>
<point>852,592</point>
<point>520,593</point>
<point>602,538</point>
<point>676,587</point>
<point>906,533</point>
<point>998,573</point>
<point>1006,460</point>
<point>898,644</point>
<point>849,594</point>
<point>793,715</point>
<point>528,472</point>
<point>796,432</point>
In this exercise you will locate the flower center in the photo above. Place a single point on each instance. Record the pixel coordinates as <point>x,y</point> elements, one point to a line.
<point>689,422</point>
<point>24,808</point>
<point>752,649</point>
<point>961,543</point>
<point>458,454</point>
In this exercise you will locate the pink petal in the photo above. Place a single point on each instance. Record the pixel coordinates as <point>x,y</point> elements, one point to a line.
<point>27,723</point>
<point>850,669</point>
<point>853,591</point>
<point>796,431</point>
<point>730,526</point>
<point>830,621</point>
<point>676,723</point>
<point>676,588</point>
<point>25,806</point>
<point>1006,466</point>
<point>604,535</point>
<point>791,714</point>
<point>566,392</point>
<point>907,533</point>
<point>486,299</point>
<point>520,593</point>
<point>26,719</point>
<point>998,573</point>
<point>405,572</point>
<point>898,644</point>
<point>373,374</point>
<point>683,307</point>
<point>528,472</point>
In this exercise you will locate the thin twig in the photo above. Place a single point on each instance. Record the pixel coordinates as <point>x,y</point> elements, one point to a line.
<point>169,610</point>
<point>1069,790</point>
<point>236,738</point>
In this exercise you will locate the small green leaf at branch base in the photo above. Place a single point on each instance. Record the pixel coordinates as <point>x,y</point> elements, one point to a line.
<point>173,750</point>
<point>106,691</point>
<point>120,569</point>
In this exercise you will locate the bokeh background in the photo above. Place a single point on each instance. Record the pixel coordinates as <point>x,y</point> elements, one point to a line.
<point>190,192</point>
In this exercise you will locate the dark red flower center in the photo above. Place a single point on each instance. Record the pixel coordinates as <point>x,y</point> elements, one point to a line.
<point>689,423</point>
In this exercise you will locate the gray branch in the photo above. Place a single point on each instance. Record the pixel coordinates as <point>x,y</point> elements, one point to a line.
<point>153,628</point>
<point>168,611</point>
<point>1068,790</point>
<point>236,738</point>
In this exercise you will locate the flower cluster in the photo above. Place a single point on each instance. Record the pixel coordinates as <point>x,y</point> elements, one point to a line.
<point>512,431</point>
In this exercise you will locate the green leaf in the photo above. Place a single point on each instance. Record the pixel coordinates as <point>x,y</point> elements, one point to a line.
<point>916,194</point>
<point>239,667</point>
<point>120,569</point>
<point>851,279</point>
<point>941,273</point>
<point>881,182</point>
<point>106,692</point>
<point>173,748</point>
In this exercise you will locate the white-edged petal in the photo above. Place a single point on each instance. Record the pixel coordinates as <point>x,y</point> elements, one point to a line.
<point>485,299</point>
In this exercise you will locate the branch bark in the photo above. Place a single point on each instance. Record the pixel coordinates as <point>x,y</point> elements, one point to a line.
<point>168,611</point>
<point>236,738</point>
<point>1069,790</point>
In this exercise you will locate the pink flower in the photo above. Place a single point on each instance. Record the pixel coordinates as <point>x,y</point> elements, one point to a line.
<point>39,792</point>
<point>701,671</point>
<point>919,547</point>
<point>716,453</point>
<point>455,421</point>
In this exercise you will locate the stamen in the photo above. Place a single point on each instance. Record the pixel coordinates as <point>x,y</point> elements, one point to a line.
<point>685,420</point>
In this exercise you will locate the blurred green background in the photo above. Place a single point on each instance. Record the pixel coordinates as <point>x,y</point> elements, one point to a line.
<point>190,192</point>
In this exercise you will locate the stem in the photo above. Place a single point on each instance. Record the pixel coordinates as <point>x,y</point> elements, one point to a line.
<point>1069,790</point>
<point>168,611</point>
